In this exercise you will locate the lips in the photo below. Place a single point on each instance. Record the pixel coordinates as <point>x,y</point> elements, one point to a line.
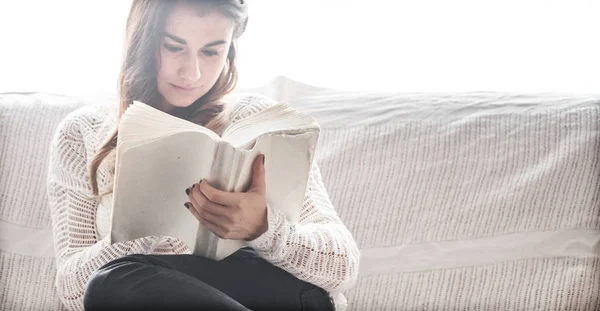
<point>183,88</point>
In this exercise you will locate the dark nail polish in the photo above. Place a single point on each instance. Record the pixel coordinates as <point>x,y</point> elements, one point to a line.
<point>186,205</point>
<point>200,181</point>
<point>187,191</point>
<point>263,159</point>
<point>194,185</point>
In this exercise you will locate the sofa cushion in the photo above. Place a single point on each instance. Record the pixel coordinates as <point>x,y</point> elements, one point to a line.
<point>463,201</point>
<point>27,266</point>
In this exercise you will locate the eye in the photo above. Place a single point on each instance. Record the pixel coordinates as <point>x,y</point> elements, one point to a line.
<point>210,53</point>
<point>172,48</point>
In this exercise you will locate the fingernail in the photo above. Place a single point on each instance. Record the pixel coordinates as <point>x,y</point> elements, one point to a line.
<point>263,159</point>
<point>194,185</point>
<point>186,205</point>
<point>200,181</point>
<point>187,191</point>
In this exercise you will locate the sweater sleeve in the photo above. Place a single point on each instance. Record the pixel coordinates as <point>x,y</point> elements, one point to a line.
<point>78,250</point>
<point>319,249</point>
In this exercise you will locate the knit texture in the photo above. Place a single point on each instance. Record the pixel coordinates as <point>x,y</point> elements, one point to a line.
<point>563,283</point>
<point>487,174</point>
<point>405,171</point>
<point>319,249</point>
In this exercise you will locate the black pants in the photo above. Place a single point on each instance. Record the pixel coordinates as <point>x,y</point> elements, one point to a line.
<point>241,281</point>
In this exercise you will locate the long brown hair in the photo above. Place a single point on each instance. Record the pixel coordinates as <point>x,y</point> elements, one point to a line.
<point>137,78</point>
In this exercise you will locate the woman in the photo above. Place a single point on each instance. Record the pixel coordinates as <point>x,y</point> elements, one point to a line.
<point>180,58</point>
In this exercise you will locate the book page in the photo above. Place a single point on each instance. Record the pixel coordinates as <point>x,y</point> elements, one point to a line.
<point>279,118</point>
<point>141,122</point>
<point>150,193</point>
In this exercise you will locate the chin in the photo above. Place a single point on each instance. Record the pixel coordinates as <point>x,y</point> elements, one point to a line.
<point>181,101</point>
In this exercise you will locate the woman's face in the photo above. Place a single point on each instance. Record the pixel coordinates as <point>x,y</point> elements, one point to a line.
<point>193,50</point>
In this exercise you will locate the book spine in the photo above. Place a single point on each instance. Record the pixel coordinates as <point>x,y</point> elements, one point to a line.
<point>219,178</point>
<point>220,171</point>
<point>206,241</point>
<point>238,163</point>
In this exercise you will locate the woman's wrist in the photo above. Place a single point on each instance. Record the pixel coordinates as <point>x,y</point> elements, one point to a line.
<point>261,229</point>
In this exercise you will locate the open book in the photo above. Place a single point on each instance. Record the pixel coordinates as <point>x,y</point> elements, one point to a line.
<point>158,156</point>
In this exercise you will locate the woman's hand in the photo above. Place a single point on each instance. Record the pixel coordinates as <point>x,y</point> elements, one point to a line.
<point>232,215</point>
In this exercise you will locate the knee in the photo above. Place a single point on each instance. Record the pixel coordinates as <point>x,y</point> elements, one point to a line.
<point>103,285</point>
<point>316,299</point>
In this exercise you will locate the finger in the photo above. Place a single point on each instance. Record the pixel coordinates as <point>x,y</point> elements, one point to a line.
<point>207,219</point>
<point>214,228</point>
<point>193,210</point>
<point>258,175</point>
<point>209,208</point>
<point>202,202</point>
<point>196,198</point>
<point>217,196</point>
<point>215,219</point>
<point>219,210</point>
<point>218,213</point>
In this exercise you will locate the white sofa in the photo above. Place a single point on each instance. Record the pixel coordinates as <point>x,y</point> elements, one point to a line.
<point>471,201</point>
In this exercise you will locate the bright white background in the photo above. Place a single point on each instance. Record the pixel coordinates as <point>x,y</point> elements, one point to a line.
<point>74,46</point>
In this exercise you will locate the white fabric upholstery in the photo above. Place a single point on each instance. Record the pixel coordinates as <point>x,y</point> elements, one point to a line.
<point>457,201</point>
<point>27,269</point>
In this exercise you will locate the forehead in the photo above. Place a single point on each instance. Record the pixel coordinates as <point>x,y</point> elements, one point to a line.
<point>198,25</point>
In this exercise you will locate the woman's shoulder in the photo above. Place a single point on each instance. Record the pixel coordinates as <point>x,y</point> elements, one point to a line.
<point>89,125</point>
<point>246,104</point>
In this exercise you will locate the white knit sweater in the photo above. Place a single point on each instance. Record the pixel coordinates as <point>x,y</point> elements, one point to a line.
<point>319,249</point>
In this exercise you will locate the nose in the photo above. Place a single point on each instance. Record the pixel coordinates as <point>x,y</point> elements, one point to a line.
<point>189,72</point>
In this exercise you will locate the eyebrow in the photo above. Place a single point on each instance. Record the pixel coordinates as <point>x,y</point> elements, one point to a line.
<point>181,41</point>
